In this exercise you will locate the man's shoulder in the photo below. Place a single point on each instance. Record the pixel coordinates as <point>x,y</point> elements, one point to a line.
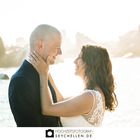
<point>18,74</point>
<point>17,79</point>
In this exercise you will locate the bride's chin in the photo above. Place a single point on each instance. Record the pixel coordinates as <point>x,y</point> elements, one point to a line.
<point>76,73</point>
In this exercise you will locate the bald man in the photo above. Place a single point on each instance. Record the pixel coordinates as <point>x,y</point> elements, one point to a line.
<point>24,87</point>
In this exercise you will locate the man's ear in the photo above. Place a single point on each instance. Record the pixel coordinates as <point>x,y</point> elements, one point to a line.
<point>39,45</point>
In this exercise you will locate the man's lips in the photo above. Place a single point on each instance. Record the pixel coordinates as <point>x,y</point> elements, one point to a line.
<point>54,57</point>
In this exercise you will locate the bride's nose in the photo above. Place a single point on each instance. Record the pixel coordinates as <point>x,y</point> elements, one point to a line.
<point>75,61</point>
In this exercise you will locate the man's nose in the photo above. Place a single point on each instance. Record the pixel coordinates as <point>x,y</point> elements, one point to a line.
<point>59,51</point>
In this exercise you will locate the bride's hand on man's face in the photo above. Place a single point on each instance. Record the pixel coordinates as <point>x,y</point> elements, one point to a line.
<point>40,65</point>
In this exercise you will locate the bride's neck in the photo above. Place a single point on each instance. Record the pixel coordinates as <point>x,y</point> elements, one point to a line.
<point>85,81</point>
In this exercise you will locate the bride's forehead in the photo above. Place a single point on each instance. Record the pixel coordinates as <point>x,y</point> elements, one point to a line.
<point>80,54</point>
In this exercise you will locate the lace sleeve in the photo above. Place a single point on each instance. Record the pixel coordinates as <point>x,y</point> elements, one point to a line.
<point>96,113</point>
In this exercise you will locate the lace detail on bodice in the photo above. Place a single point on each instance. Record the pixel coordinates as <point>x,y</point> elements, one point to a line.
<point>95,116</point>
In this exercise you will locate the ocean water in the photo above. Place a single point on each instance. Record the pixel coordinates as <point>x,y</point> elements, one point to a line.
<point>127,79</point>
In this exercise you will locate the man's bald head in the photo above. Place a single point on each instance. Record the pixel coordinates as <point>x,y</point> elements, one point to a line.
<point>43,32</point>
<point>46,40</point>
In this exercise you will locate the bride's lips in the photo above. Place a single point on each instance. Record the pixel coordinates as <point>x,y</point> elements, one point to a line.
<point>76,67</point>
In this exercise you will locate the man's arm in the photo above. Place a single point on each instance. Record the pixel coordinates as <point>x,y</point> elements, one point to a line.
<point>21,102</point>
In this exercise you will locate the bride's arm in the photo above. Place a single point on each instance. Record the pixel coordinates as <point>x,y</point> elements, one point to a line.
<point>58,94</point>
<point>74,106</point>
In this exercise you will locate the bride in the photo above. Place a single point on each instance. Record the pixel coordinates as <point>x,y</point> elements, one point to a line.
<point>87,109</point>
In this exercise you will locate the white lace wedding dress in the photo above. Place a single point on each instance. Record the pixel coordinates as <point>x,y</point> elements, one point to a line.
<point>93,118</point>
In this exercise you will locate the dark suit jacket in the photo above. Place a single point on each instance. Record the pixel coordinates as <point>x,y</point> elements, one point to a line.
<point>24,99</point>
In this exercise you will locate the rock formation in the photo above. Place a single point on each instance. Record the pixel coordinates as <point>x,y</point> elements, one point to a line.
<point>11,56</point>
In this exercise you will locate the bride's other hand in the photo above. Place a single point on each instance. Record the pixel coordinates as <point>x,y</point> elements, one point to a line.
<point>39,64</point>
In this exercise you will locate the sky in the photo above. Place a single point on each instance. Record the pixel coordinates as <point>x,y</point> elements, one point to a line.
<point>101,20</point>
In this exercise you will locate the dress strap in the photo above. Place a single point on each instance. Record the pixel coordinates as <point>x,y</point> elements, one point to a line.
<point>94,100</point>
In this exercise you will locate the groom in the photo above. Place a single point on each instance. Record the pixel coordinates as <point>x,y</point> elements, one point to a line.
<point>24,87</point>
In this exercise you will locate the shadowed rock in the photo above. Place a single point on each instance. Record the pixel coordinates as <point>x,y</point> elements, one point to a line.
<point>4,76</point>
